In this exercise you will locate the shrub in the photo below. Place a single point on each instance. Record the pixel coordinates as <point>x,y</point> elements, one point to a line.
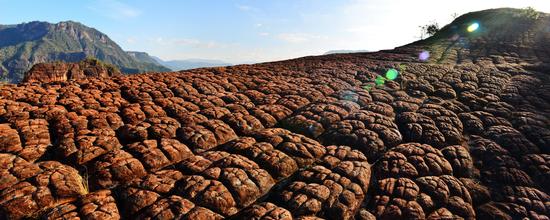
<point>530,13</point>
<point>429,29</point>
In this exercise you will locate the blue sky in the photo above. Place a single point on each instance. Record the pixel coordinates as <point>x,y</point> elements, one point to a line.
<point>252,31</point>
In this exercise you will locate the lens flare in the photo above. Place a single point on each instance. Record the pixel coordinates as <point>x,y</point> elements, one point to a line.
<point>424,55</point>
<point>379,80</point>
<point>473,27</point>
<point>391,74</point>
<point>367,87</point>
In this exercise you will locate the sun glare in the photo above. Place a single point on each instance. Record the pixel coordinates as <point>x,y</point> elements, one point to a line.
<point>473,27</point>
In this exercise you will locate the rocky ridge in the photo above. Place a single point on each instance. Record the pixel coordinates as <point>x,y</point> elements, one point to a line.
<point>62,71</point>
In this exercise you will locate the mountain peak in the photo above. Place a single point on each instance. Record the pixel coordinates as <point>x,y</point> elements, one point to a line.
<point>69,22</point>
<point>26,44</point>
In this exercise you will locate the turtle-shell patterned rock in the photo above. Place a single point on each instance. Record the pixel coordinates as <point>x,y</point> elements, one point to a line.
<point>464,134</point>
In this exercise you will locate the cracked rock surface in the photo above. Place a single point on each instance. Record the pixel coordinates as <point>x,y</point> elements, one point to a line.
<point>464,135</point>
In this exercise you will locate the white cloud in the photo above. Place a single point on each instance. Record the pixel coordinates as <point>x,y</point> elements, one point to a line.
<point>211,44</point>
<point>246,8</point>
<point>263,34</point>
<point>159,40</point>
<point>131,40</point>
<point>188,42</point>
<point>359,29</point>
<point>298,37</point>
<point>114,9</point>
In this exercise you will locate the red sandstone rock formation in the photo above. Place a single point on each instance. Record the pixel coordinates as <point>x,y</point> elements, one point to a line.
<point>296,139</point>
<point>61,71</point>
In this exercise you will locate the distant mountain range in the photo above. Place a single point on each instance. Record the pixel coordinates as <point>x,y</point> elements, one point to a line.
<point>26,44</point>
<point>177,65</point>
<point>191,63</point>
<point>345,51</point>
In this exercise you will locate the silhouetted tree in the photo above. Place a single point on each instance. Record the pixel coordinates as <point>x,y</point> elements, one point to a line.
<point>429,29</point>
<point>454,15</point>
